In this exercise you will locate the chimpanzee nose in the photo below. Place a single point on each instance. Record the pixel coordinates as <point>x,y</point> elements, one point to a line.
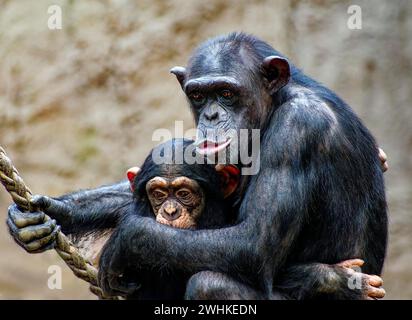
<point>170,212</point>
<point>170,209</point>
<point>211,115</point>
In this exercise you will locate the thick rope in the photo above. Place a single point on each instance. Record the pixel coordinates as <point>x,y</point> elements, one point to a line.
<point>21,195</point>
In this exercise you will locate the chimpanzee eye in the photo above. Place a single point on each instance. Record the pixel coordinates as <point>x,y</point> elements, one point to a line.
<point>182,193</point>
<point>197,98</point>
<point>227,96</point>
<point>158,195</point>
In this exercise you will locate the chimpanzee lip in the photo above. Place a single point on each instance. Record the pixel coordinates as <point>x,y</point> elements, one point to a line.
<point>208,147</point>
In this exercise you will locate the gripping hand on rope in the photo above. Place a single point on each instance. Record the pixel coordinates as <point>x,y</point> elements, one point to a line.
<point>33,231</point>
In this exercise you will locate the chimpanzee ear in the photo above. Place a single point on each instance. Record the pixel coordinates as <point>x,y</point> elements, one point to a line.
<point>277,71</point>
<point>131,175</point>
<point>180,73</point>
<point>230,175</point>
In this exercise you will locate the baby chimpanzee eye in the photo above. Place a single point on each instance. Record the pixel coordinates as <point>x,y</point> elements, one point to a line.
<point>183,193</point>
<point>158,194</point>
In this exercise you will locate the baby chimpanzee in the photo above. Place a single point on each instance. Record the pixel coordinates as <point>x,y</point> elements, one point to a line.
<point>181,196</point>
<point>178,193</point>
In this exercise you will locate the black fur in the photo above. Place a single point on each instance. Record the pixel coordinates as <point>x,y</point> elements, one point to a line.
<point>319,196</point>
<point>148,283</point>
<point>318,199</point>
<point>217,212</point>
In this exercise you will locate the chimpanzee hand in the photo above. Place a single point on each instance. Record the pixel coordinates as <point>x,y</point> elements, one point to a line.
<point>112,268</point>
<point>30,230</point>
<point>371,285</point>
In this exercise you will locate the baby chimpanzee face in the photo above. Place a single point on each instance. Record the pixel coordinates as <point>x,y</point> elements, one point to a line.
<point>180,195</point>
<point>177,202</point>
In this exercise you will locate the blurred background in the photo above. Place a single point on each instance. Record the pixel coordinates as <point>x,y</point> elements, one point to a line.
<point>78,106</point>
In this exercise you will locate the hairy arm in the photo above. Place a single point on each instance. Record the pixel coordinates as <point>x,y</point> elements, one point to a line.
<point>94,209</point>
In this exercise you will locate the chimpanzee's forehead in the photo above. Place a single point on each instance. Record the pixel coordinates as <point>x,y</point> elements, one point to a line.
<point>212,81</point>
<point>174,170</point>
<point>222,58</point>
<point>192,171</point>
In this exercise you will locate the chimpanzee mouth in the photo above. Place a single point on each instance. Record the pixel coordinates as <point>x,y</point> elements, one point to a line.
<point>208,147</point>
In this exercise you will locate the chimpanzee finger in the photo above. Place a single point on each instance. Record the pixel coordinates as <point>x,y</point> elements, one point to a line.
<point>31,233</point>
<point>384,160</point>
<point>14,230</point>
<point>41,202</point>
<point>42,244</point>
<point>375,281</point>
<point>351,263</point>
<point>382,155</point>
<point>377,293</point>
<point>54,208</point>
<point>24,219</point>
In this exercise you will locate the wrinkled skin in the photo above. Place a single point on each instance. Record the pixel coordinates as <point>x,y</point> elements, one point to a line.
<point>176,202</point>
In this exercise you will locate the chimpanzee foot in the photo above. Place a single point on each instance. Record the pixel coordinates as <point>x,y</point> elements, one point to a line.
<point>372,284</point>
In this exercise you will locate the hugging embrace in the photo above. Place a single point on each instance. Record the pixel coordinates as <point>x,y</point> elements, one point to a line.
<point>295,229</point>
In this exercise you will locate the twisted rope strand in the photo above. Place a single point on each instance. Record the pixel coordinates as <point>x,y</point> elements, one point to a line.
<point>21,195</point>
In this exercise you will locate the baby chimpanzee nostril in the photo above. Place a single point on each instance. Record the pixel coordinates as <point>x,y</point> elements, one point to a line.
<point>171,213</point>
<point>170,209</point>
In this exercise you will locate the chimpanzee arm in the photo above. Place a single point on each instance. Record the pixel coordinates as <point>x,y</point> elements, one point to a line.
<point>77,213</point>
<point>271,215</point>
<point>92,209</point>
<point>310,281</point>
<point>238,250</point>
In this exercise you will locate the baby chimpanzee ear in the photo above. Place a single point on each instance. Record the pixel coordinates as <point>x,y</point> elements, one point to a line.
<point>131,175</point>
<point>230,178</point>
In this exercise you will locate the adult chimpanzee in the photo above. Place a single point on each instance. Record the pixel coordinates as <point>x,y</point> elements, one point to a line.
<point>320,179</point>
<point>320,182</point>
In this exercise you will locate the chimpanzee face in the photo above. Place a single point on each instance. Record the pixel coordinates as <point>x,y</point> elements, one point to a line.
<point>220,106</point>
<point>229,89</point>
<point>223,103</point>
<point>179,193</point>
<point>177,202</point>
